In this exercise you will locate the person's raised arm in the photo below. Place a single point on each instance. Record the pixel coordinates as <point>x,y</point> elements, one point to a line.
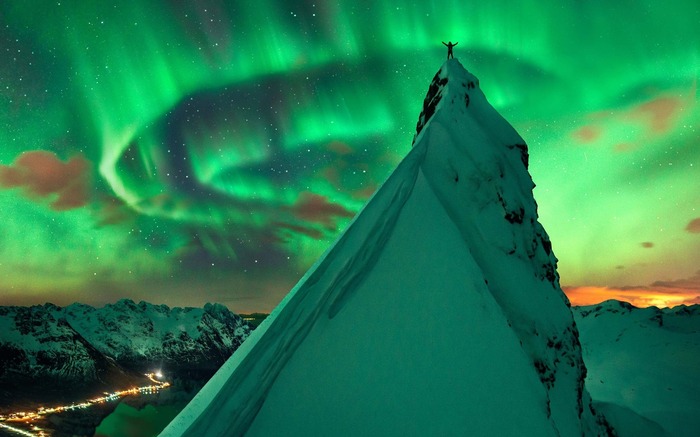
<point>455,44</point>
<point>444,42</point>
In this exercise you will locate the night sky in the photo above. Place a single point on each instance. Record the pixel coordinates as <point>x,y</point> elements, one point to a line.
<point>184,152</point>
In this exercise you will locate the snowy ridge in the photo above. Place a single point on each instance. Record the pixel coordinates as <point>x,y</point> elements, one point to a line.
<point>80,342</point>
<point>283,331</point>
<point>36,343</point>
<point>134,333</point>
<point>476,158</point>
<point>356,347</point>
<point>645,360</point>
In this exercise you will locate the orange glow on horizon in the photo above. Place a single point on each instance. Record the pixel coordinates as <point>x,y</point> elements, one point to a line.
<point>639,297</point>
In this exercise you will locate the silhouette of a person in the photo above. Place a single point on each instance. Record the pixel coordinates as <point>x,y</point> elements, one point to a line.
<point>449,49</point>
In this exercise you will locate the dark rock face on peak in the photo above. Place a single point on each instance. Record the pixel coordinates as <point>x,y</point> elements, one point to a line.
<point>434,95</point>
<point>431,101</point>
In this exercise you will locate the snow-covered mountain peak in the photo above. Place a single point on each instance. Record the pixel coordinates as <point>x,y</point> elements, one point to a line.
<point>135,334</point>
<point>451,80</point>
<point>474,158</point>
<point>684,310</point>
<point>443,287</point>
<point>43,348</point>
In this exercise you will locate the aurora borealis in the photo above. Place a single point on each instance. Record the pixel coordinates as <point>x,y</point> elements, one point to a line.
<point>184,152</point>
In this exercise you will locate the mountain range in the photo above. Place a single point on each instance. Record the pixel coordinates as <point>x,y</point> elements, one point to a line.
<point>643,364</point>
<point>46,348</point>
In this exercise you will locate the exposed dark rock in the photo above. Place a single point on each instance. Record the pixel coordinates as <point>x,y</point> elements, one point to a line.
<point>515,216</point>
<point>524,156</point>
<point>430,102</point>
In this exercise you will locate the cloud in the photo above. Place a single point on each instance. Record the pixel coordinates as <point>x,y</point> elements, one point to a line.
<point>587,134</point>
<point>694,226</point>
<point>366,192</point>
<point>316,234</point>
<point>42,175</point>
<point>692,283</point>
<point>647,244</point>
<point>659,112</point>
<point>656,116</point>
<point>112,210</point>
<point>339,148</point>
<point>624,147</point>
<point>660,293</point>
<point>316,208</point>
<point>632,287</point>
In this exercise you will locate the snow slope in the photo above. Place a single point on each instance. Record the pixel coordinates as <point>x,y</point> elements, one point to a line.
<point>437,312</point>
<point>646,360</point>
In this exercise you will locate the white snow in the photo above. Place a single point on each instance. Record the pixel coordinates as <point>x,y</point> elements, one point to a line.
<point>437,312</point>
<point>45,344</point>
<point>52,340</point>
<point>149,331</point>
<point>645,360</point>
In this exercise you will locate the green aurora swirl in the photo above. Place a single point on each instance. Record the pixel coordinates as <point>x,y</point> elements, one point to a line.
<point>228,143</point>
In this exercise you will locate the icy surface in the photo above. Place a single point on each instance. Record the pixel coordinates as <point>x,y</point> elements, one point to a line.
<point>437,312</point>
<point>646,360</point>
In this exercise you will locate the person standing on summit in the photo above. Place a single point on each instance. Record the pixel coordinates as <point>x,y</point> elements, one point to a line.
<point>449,49</point>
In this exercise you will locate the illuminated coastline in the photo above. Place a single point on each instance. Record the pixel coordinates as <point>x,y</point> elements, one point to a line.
<point>28,418</point>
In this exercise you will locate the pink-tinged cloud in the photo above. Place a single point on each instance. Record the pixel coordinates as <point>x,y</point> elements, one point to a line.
<point>660,294</point>
<point>113,211</point>
<point>624,147</point>
<point>42,175</point>
<point>339,147</point>
<point>692,283</point>
<point>587,134</point>
<point>316,208</point>
<point>365,193</point>
<point>694,226</point>
<point>660,112</point>
<point>657,116</point>
<point>332,175</point>
<point>316,234</point>
<point>647,244</point>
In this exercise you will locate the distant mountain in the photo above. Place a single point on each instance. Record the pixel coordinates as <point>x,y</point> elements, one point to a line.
<point>644,361</point>
<point>47,352</point>
<point>140,335</point>
<point>41,355</point>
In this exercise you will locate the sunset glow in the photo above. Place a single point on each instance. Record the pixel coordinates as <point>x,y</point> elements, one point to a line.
<point>639,297</point>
